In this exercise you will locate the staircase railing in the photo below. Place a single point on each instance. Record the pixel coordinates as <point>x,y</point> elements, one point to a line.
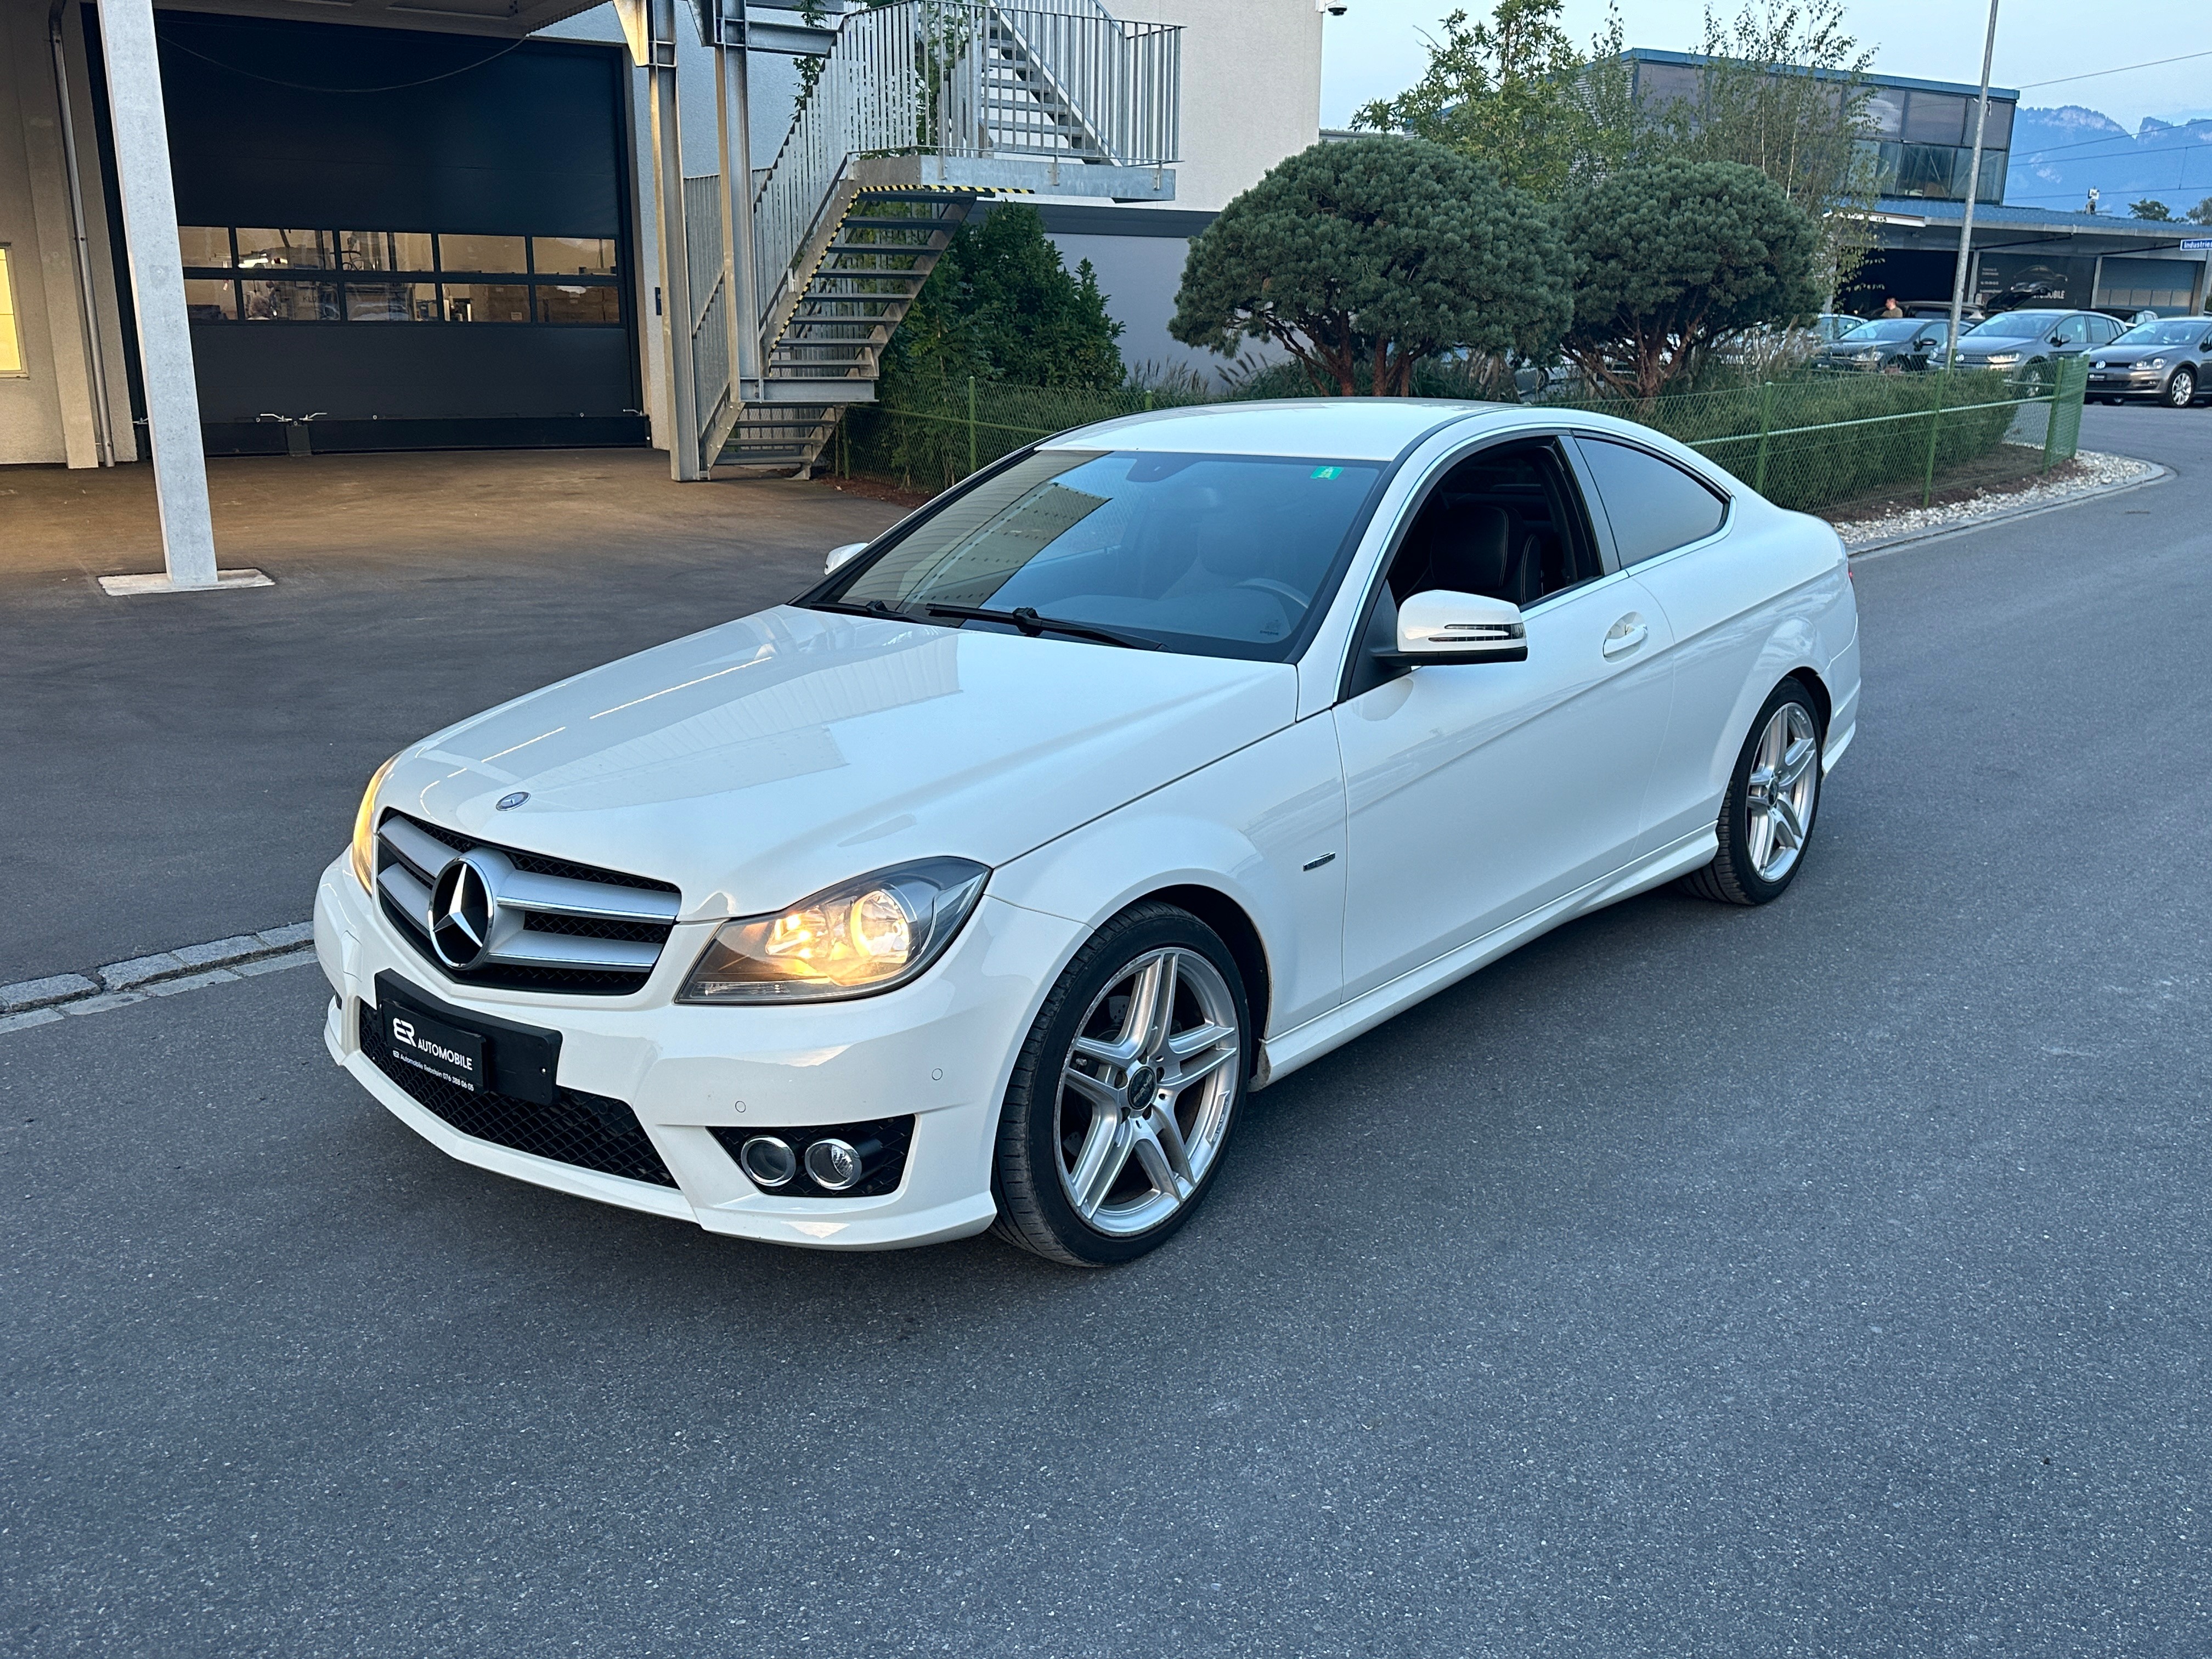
<point>1059,79</point>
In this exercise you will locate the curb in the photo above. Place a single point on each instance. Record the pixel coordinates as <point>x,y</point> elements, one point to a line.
<point>2159,474</point>
<point>29,1002</point>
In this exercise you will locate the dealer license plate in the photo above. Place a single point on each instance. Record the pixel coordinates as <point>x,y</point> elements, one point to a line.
<point>431,1045</point>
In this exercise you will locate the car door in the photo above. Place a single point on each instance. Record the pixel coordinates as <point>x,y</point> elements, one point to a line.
<point>1476,793</point>
<point>1672,530</point>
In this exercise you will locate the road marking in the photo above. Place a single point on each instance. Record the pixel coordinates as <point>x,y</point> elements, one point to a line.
<point>30,1003</point>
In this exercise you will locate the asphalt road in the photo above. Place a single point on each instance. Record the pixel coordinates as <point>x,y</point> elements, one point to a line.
<point>1830,1279</point>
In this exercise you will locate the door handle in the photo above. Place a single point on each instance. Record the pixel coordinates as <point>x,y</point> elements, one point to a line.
<point>1625,636</point>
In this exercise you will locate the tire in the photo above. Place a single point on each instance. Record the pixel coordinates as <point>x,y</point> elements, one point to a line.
<point>1086,1172</point>
<point>1749,867</point>
<point>2181,389</point>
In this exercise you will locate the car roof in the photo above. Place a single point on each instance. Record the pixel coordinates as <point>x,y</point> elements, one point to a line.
<point>1333,428</point>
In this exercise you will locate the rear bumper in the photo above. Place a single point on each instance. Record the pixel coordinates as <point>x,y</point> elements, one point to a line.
<point>939,1050</point>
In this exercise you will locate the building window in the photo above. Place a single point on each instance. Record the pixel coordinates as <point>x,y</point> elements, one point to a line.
<point>234,274</point>
<point>11,337</point>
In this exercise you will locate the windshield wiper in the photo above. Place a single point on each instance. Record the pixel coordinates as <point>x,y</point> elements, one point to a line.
<point>873,608</point>
<point>1032,624</point>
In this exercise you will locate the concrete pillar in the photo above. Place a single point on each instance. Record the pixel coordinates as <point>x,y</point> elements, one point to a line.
<point>157,290</point>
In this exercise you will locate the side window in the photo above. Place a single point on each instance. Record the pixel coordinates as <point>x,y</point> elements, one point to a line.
<point>1655,505</point>
<point>2073,330</point>
<point>1507,523</point>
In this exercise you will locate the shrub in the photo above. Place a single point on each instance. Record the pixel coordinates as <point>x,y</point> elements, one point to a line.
<point>1374,254</point>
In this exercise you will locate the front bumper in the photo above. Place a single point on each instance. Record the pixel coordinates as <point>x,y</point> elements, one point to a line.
<point>2151,383</point>
<point>940,1049</point>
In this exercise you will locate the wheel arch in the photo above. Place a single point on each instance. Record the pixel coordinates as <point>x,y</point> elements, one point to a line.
<point>1222,914</point>
<point>1823,705</point>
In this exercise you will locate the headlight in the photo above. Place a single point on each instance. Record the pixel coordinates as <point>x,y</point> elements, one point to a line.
<point>364,827</point>
<point>2157,362</point>
<point>850,940</point>
<point>1999,359</point>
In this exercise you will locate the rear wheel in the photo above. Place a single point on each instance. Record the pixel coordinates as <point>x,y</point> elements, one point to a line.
<point>2181,390</point>
<point>1123,1097</point>
<point>1767,818</point>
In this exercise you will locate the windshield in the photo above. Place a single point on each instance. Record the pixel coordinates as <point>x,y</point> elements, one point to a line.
<point>1897,328</point>
<point>2174,332</point>
<point>1225,555</point>
<point>2016,325</point>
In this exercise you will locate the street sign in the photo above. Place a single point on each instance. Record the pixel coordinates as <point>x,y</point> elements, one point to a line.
<point>2195,244</point>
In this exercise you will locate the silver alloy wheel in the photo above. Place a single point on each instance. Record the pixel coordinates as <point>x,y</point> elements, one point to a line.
<point>1785,773</point>
<point>2181,390</point>
<point>1145,1092</point>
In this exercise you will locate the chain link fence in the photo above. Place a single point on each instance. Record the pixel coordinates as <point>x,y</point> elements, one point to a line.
<point>1809,442</point>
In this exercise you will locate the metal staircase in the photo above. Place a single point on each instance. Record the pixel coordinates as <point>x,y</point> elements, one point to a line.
<point>921,110</point>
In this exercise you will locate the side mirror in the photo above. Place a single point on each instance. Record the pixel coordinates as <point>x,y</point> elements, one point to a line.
<point>839,555</point>
<point>1440,626</point>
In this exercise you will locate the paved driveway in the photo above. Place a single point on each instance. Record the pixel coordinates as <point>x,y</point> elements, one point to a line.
<point>1831,1278</point>
<point>175,768</point>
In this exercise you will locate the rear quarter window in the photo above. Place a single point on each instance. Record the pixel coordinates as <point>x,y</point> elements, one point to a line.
<point>1655,505</point>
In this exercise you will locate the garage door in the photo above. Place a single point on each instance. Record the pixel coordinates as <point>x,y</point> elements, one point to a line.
<point>404,240</point>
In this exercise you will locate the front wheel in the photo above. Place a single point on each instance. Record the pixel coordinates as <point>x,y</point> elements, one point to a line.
<point>2181,390</point>
<point>1124,1094</point>
<point>1766,816</point>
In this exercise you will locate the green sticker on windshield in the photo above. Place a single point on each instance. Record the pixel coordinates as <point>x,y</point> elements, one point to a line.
<point>1327,471</point>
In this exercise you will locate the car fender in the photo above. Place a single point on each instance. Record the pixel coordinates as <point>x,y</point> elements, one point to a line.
<point>1262,827</point>
<point>1793,647</point>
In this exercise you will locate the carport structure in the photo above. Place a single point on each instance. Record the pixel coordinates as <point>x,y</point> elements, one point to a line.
<point>500,246</point>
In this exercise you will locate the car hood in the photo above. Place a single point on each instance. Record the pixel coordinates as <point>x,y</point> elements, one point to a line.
<point>2138,354</point>
<point>1998,347</point>
<point>761,760</point>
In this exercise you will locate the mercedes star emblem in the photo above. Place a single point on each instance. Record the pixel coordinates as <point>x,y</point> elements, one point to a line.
<point>464,910</point>
<point>508,803</point>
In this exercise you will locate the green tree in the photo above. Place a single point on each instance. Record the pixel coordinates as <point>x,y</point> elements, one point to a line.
<point>1510,90</point>
<point>1783,89</point>
<point>1361,258</point>
<point>1671,257</point>
<point>2149,207</point>
<point>2202,213</point>
<point>1000,305</point>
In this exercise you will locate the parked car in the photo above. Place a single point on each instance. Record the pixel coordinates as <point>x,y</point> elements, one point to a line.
<point>980,883</point>
<point>1892,345</point>
<point>2167,359</point>
<point>2028,344</point>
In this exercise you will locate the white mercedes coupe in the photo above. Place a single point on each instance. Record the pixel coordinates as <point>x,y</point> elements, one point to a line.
<point>979,884</point>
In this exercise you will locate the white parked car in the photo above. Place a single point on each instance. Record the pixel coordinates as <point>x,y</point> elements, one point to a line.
<point>980,883</point>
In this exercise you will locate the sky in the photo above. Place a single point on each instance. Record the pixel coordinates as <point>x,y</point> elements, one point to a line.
<point>1376,50</point>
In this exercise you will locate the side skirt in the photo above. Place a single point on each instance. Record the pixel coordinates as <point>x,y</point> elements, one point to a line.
<point>1282,1054</point>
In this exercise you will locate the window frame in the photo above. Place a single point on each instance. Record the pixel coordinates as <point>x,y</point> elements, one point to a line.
<point>14,320</point>
<point>1353,674</point>
<point>340,279</point>
<point>1726,497</point>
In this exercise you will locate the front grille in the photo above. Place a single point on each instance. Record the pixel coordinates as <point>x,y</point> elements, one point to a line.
<point>556,924</point>
<point>592,1132</point>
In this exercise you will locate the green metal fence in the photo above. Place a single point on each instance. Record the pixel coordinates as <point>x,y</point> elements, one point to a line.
<point>1809,442</point>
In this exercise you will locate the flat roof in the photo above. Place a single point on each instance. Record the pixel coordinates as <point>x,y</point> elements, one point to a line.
<point>2167,231</point>
<point>1965,88</point>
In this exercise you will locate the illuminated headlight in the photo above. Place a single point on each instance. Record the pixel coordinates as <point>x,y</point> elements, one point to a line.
<point>2000,359</point>
<point>1869,356</point>
<point>854,939</point>
<point>364,827</point>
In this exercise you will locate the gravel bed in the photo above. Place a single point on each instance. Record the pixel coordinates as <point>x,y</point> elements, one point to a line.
<point>2090,474</point>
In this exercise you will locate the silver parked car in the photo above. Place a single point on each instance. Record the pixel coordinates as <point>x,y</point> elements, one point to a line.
<point>2168,359</point>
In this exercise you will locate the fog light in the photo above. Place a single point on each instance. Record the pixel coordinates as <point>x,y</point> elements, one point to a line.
<point>837,1165</point>
<point>768,1161</point>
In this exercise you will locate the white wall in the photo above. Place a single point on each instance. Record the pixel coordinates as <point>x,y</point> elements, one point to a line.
<point>1251,89</point>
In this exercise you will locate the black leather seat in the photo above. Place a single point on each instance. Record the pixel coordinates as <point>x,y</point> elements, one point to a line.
<point>1476,547</point>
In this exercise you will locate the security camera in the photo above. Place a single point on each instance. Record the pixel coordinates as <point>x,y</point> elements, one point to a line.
<point>1333,7</point>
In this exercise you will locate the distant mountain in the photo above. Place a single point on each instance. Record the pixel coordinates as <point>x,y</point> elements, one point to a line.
<point>2058,154</point>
